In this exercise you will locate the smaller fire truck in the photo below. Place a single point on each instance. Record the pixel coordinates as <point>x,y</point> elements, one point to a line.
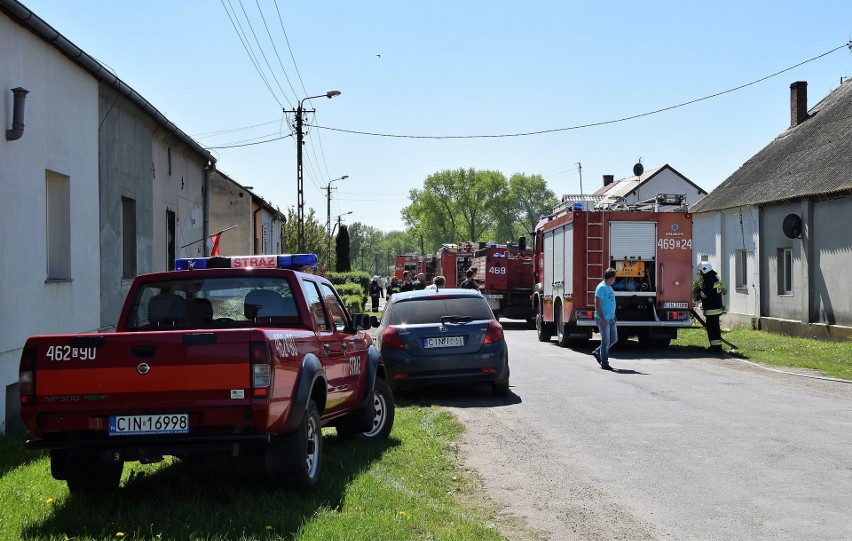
<point>452,260</point>
<point>415,264</point>
<point>505,276</point>
<point>650,249</point>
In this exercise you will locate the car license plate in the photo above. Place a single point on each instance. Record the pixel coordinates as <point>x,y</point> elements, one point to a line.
<point>443,342</point>
<point>132,425</point>
<point>683,305</point>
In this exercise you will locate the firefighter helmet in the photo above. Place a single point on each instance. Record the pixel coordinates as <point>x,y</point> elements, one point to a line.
<point>705,267</point>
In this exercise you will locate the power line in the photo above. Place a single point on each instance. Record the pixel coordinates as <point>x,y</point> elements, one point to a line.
<point>263,54</point>
<point>554,130</point>
<point>272,41</point>
<point>592,124</point>
<point>250,144</point>
<point>281,22</point>
<point>235,23</point>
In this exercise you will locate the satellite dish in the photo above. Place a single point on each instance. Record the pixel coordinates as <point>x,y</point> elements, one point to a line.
<point>792,226</point>
<point>638,169</point>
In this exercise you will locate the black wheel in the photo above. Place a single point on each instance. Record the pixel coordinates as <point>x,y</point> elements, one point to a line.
<point>562,339</point>
<point>307,452</point>
<point>87,474</point>
<point>377,417</point>
<point>500,388</point>
<point>542,329</point>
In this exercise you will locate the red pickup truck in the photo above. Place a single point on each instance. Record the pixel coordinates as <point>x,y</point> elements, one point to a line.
<point>233,355</point>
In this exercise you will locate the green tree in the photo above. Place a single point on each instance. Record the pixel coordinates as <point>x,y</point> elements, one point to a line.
<point>456,205</point>
<point>341,249</point>
<point>315,240</point>
<point>367,241</point>
<point>530,198</point>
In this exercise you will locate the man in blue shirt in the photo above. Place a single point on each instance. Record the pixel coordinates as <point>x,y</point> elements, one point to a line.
<point>605,318</point>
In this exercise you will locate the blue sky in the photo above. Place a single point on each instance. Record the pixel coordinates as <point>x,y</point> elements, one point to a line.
<point>463,69</point>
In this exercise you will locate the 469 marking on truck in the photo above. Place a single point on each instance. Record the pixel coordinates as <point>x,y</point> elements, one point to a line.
<point>68,353</point>
<point>674,244</point>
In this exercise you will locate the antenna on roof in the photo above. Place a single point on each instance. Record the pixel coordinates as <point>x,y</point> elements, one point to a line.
<point>638,169</point>
<point>580,170</point>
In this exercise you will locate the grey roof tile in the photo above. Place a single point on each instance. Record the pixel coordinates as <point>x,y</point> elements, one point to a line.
<point>813,159</point>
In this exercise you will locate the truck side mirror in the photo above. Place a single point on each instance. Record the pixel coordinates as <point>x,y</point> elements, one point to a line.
<point>362,322</point>
<point>522,243</point>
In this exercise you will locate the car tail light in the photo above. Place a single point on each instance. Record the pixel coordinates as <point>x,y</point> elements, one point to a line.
<point>391,338</point>
<point>678,316</point>
<point>26,377</point>
<point>494,332</point>
<point>585,314</point>
<point>261,370</point>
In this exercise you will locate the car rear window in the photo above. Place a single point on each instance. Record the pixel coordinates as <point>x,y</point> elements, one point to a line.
<point>426,310</point>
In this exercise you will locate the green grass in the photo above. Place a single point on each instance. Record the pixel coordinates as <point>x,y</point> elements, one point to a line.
<point>408,488</point>
<point>833,359</point>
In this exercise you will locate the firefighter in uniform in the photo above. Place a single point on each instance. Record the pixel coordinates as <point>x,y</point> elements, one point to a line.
<point>711,303</point>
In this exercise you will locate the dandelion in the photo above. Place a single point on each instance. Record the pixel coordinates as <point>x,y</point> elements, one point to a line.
<point>119,534</point>
<point>403,514</point>
<point>268,527</point>
<point>49,501</point>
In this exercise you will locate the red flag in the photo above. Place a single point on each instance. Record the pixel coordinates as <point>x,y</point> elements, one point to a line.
<point>213,242</point>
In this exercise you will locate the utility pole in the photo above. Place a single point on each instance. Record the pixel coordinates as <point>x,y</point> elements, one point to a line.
<point>328,216</point>
<point>300,180</point>
<point>300,183</point>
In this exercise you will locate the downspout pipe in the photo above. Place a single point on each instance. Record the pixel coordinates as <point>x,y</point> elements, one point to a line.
<point>254,214</point>
<point>20,97</point>
<point>211,166</point>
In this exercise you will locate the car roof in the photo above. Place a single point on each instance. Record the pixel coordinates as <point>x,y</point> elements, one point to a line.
<point>443,292</point>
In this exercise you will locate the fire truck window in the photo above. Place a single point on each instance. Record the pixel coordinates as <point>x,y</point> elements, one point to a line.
<point>335,308</point>
<point>315,303</point>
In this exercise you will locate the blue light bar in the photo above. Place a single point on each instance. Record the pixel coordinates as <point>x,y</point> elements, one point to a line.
<point>297,260</point>
<point>190,263</point>
<point>284,261</point>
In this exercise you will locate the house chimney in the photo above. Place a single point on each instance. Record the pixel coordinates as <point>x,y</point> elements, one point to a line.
<point>798,103</point>
<point>608,179</point>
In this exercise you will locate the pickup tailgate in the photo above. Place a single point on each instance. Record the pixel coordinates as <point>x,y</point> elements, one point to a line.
<point>84,382</point>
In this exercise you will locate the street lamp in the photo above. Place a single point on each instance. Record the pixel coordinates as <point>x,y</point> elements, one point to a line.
<point>328,216</point>
<point>299,178</point>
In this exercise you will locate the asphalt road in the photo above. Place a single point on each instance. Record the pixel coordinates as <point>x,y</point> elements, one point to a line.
<point>672,445</point>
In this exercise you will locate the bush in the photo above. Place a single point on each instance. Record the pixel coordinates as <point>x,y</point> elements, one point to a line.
<point>349,288</point>
<point>357,300</point>
<point>360,279</point>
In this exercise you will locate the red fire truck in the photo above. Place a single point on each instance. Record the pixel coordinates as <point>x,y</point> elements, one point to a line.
<point>650,249</point>
<point>414,263</point>
<point>452,260</point>
<point>505,276</point>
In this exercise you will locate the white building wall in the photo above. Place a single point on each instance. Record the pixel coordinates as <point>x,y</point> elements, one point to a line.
<point>740,231</point>
<point>666,181</point>
<point>60,135</point>
<point>178,187</point>
<point>716,238</point>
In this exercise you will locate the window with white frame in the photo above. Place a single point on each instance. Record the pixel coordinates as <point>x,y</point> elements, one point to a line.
<point>58,225</point>
<point>741,272</point>
<point>785,271</point>
<point>128,237</point>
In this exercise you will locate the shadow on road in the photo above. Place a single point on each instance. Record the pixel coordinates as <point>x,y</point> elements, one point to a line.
<point>459,396</point>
